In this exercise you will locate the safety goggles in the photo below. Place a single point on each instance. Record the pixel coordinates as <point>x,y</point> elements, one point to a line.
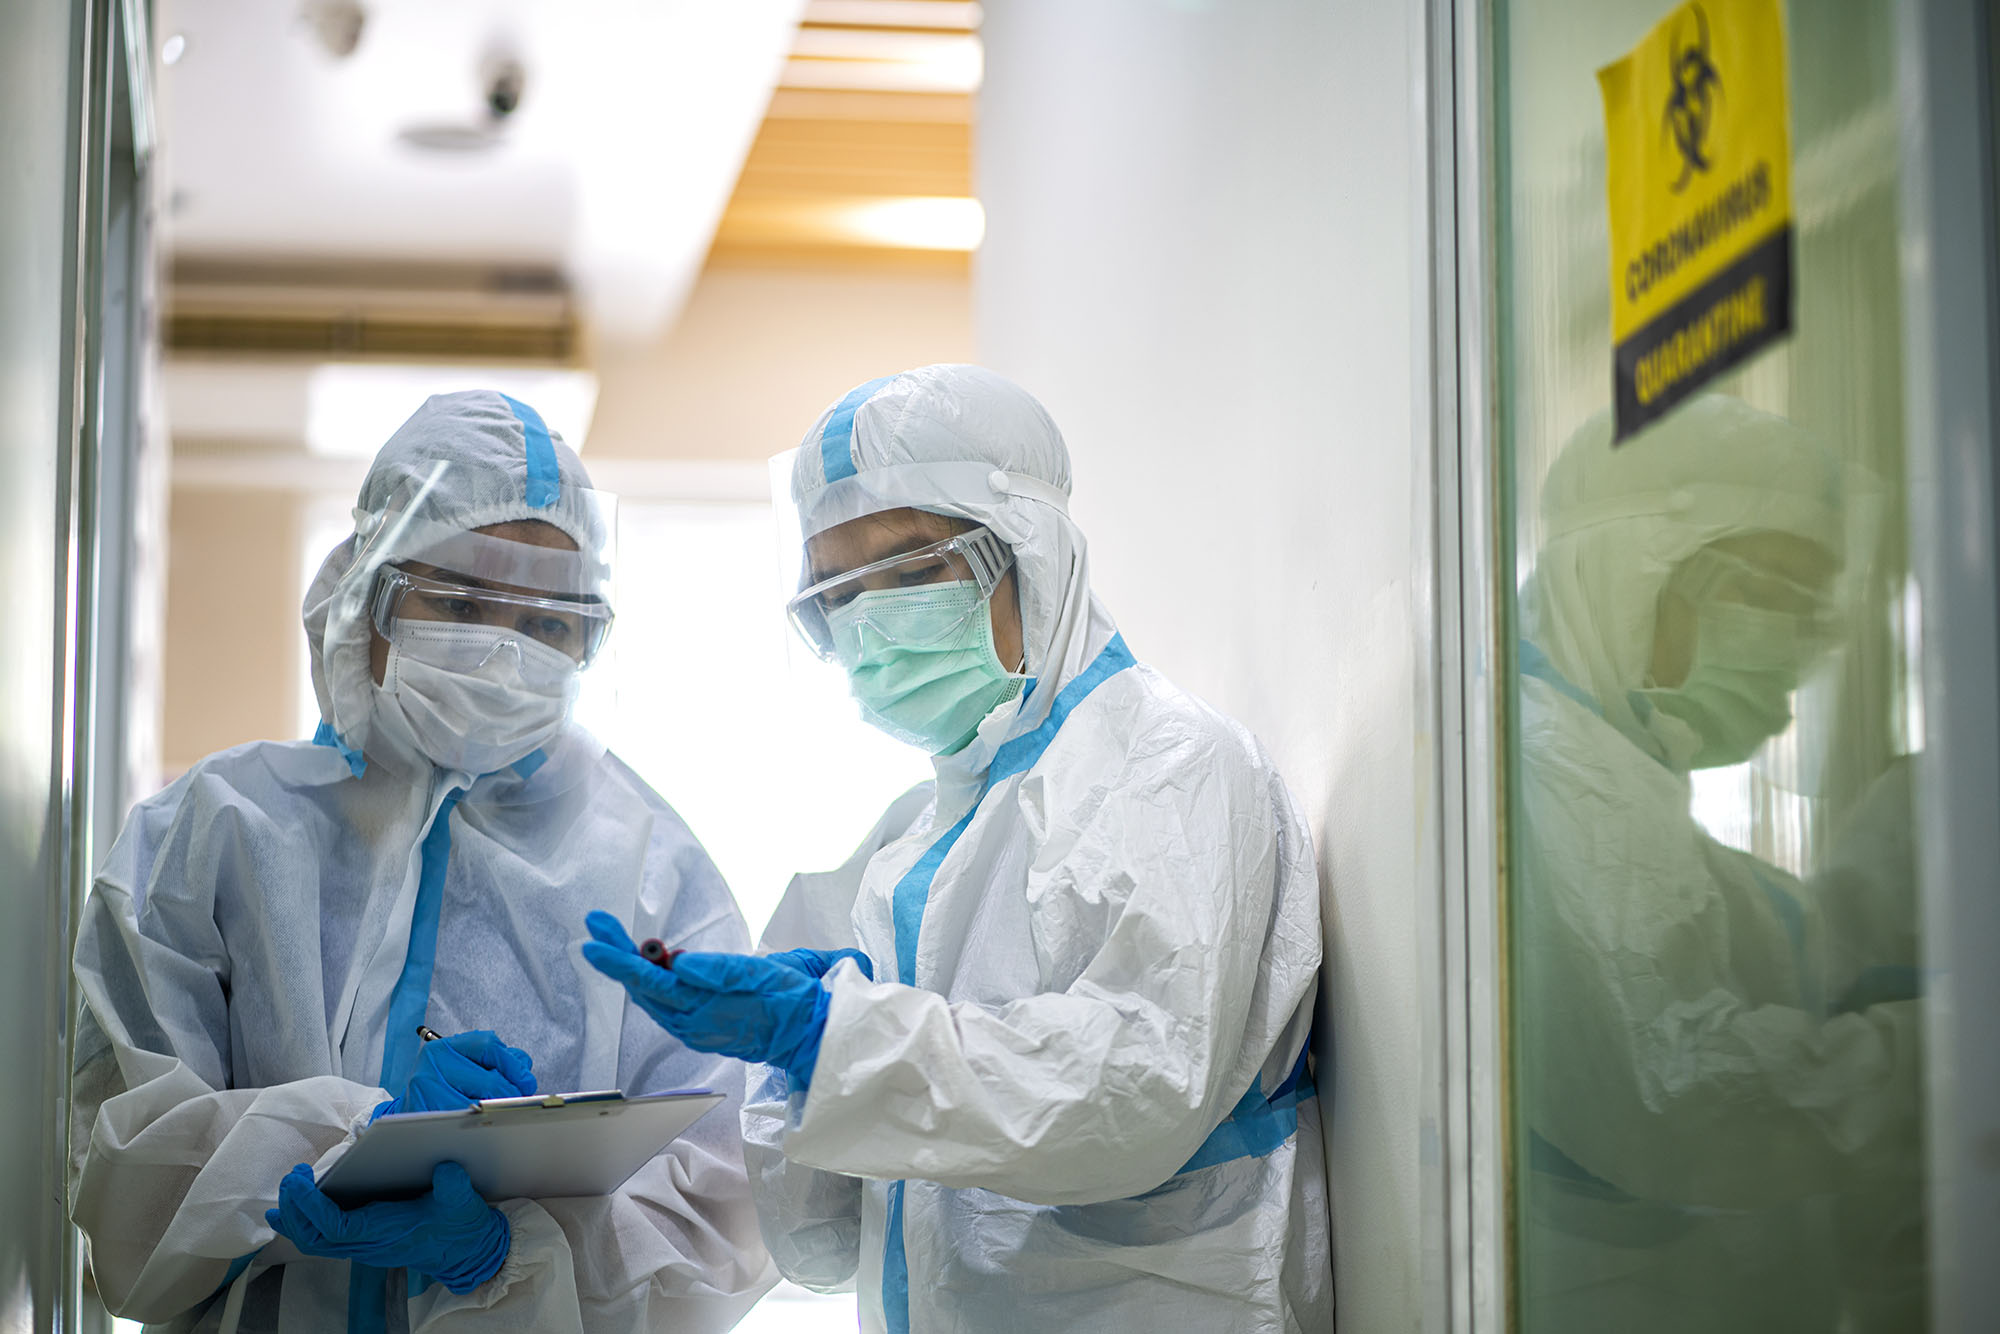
<point>976,557</point>
<point>574,626</point>
<point>1714,575</point>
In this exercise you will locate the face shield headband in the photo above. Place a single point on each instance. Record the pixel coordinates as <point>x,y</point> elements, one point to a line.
<point>398,535</point>
<point>920,486</point>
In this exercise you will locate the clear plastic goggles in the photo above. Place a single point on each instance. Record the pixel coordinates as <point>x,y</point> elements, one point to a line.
<point>976,557</point>
<point>1714,575</point>
<point>576,626</point>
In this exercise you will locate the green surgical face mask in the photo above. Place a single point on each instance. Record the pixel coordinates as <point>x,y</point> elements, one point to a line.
<point>921,662</point>
<point>1738,690</point>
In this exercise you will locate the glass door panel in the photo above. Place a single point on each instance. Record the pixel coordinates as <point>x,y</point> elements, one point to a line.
<point>1715,1007</point>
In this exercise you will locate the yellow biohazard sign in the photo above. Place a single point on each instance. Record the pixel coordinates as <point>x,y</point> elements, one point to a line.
<point>1698,170</point>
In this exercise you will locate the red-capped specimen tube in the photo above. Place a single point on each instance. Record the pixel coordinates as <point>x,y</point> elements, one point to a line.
<point>656,951</point>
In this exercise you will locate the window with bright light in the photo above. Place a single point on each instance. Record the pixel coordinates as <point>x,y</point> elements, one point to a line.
<point>704,691</point>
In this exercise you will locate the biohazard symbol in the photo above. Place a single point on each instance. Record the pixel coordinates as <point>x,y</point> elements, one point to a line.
<point>1691,105</point>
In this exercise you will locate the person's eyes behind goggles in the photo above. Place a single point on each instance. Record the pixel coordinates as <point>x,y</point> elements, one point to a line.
<point>1711,575</point>
<point>974,557</point>
<point>573,627</point>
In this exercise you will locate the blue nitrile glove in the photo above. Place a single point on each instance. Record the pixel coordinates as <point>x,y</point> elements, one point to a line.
<point>455,1072</point>
<point>818,963</point>
<point>740,1005</point>
<point>450,1235</point>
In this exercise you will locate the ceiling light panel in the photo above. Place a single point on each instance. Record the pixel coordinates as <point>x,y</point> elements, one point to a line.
<point>929,15</point>
<point>884,61</point>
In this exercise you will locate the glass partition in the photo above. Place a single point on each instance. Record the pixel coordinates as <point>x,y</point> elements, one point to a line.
<point>1715,1007</point>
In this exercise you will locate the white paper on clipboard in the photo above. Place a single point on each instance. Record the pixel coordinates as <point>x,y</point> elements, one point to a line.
<point>517,1148</point>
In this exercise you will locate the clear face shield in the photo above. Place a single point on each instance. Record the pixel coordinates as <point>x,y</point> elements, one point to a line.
<point>479,635</point>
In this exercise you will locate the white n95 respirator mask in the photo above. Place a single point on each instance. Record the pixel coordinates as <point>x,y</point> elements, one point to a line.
<point>474,698</point>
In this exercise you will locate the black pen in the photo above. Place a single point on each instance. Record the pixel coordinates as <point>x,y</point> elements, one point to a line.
<point>427,1033</point>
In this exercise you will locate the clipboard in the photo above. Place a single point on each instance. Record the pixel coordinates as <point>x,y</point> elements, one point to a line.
<point>534,1147</point>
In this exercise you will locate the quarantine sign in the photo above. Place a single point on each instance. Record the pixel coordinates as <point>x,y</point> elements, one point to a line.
<point>1698,169</point>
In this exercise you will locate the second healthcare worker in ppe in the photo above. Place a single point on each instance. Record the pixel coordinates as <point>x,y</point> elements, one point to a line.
<point>1045,1065</point>
<point>1721,1102</point>
<point>270,931</point>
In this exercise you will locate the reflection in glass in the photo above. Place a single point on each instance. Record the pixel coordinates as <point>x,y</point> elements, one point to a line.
<point>1718,1058</point>
<point>1715,992</point>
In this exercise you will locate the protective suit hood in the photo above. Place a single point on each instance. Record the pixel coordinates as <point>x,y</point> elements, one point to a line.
<point>962,441</point>
<point>1617,520</point>
<point>462,461</point>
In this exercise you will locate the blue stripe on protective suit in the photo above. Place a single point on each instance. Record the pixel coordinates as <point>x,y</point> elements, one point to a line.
<point>1020,754</point>
<point>1259,1125</point>
<point>367,1299</point>
<point>836,438</point>
<point>1533,662</point>
<point>544,479</point>
<point>895,1267</point>
<point>411,999</point>
<point>236,1268</point>
<point>913,893</point>
<point>326,736</point>
<point>1016,756</point>
<point>367,1287</point>
<point>1881,985</point>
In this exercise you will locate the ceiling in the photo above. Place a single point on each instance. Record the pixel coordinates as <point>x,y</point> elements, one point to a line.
<point>633,120</point>
<point>651,137</point>
<point>864,157</point>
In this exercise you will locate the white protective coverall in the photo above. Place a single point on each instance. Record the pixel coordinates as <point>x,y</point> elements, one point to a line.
<point>268,923</point>
<point>1077,1096</point>
<point>1708,1122</point>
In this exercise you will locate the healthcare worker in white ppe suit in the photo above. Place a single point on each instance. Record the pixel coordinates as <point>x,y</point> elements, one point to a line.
<point>1040,1059</point>
<point>1721,1081</point>
<point>270,931</point>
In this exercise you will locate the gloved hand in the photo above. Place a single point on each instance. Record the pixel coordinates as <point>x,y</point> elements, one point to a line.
<point>455,1072</point>
<point>818,963</point>
<point>740,1005</point>
<point>450,1235</point>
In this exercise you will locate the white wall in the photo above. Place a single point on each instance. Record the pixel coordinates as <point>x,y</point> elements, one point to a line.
<point>1204,253</point>
<point>759,352</point>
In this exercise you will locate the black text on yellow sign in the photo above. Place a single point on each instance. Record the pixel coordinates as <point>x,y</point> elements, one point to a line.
<point>1698,170</point>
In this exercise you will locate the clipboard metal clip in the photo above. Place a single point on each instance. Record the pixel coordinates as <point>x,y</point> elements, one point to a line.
<point>547,1100</point>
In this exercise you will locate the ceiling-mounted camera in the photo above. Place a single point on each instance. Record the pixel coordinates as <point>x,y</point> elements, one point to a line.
<point>335,24</point>
<point>503,79</point>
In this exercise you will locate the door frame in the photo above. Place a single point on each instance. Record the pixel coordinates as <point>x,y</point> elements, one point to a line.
<point>1944,67</point>
<point>1466,1195</point>
<point>1950,226</point>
